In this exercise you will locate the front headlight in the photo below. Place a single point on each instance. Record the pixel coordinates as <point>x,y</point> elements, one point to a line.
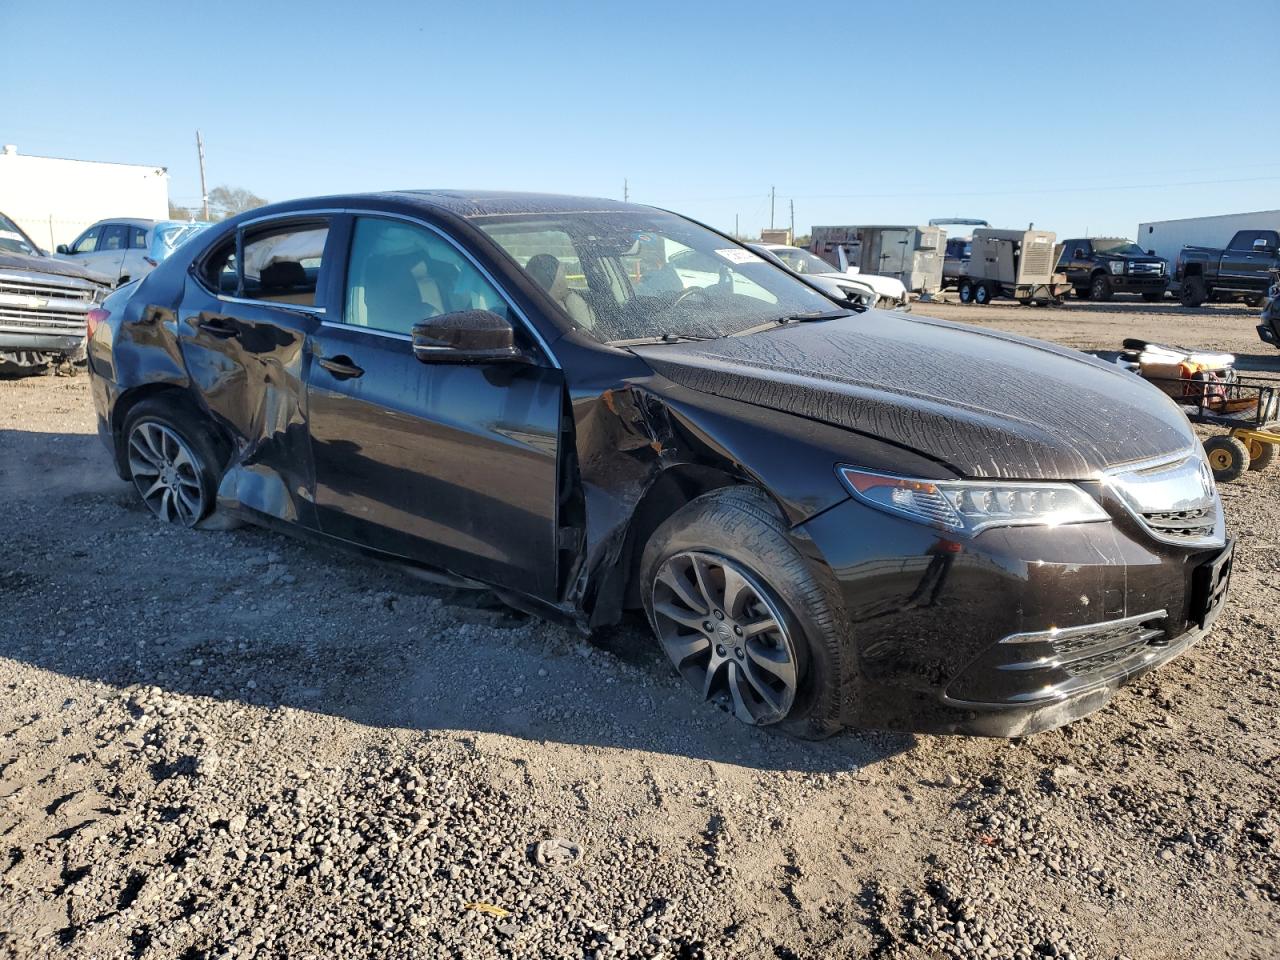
<point>1117,266</point>
<point>971,506</point>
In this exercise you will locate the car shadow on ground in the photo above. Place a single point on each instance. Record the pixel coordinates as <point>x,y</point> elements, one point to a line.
<point>92,586</point>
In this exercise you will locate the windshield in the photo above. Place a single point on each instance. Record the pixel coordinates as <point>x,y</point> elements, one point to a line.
<point>1118,247</point>
<point>635,274</point>
<point>802,261</point>
<point>12,239</point>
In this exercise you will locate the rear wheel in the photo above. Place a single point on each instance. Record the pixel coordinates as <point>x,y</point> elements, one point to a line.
<point>1100,287</point>
<point>173,461</point>
<point>1228,457</point>
<point>982,294</point>
<point>1193,292</point>
<point>742,615</point>
<point>1261,453</point>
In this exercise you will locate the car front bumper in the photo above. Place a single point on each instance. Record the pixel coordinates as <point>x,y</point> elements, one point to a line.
<point>1013,631</point>
<point>1131,284</point>
<point>39,341</point>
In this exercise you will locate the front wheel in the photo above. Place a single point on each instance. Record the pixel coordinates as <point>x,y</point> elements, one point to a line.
<point>1261,453</point>
<point>742,615</point>
<point>966,292</point>
<point>173,462</point>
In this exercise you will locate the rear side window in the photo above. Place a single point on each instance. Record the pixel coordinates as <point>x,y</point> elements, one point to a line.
<point>282,265</point>
<point>219,270</point>
<point>138,238</point>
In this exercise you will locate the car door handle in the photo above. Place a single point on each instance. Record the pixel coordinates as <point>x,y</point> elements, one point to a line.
<point>342,367</point>
<point>217,327</point>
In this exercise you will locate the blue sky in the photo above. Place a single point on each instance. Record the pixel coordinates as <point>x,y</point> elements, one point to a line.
<point>1087,116</point>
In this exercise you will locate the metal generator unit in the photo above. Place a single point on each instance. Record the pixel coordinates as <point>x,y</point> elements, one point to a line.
<point>1013,263</point>
<point>910,254</point>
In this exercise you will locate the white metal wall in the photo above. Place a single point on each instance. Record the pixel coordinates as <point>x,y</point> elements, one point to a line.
<point>53,200</point>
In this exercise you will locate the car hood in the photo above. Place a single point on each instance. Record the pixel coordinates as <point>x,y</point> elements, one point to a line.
<point>51,266</point>
<point>985,403</point>
<point>885,286</point>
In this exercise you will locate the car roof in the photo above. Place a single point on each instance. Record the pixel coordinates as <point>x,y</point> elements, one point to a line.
<point>127,221</point>
<point>465,203</point>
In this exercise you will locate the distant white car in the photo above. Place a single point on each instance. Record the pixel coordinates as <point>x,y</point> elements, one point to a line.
<point>127,249</point>
<point>891,291</point>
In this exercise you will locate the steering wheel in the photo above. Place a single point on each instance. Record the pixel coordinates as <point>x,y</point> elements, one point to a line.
<point>688,292</point>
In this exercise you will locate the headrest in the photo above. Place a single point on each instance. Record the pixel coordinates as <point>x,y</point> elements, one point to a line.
<point>549,272</point>
<point>283,273</point>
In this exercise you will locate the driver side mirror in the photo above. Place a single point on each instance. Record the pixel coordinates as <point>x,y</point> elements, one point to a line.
<point>1261,246</point>
<point>466,336</point>
<point>63,248</point>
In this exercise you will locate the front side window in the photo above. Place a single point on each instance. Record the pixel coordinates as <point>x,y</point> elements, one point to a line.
<point>88,241</point>
<point>282,264</point>
<point>400,274</point>
<point>627,275</point>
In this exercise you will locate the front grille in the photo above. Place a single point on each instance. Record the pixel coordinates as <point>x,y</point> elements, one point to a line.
<point>36,303</point>
<point>1183,524</point>
<point>1146,268</point>
<point>1036,258</point>
<point>45,290</point>
<point>1127,634</point>
<point>1174,499</point>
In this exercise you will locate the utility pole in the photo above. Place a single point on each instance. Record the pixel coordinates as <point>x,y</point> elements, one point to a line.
<point>204,190</point>
<point>773,193</point>
<point>793,221</point>
<point>626,191</point>
<point>736,232</point>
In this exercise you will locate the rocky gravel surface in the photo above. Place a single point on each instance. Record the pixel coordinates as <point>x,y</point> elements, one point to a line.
<point>235,745</point>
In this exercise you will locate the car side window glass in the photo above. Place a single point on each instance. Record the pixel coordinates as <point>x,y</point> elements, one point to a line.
<point>282,264</point>
<point>138,238</point>
<point>1244,240</point>
<point>88,241</point>
<point>219,269</point>
<point>399,274</point>
<point>113,237</point>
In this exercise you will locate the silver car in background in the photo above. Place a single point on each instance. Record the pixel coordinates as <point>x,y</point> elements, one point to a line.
<point>128,249</point>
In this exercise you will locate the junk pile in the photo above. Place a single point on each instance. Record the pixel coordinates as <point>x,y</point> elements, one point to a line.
<point>1191,377</point>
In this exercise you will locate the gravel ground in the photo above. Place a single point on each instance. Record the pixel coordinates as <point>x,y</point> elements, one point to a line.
<point>236,745</point>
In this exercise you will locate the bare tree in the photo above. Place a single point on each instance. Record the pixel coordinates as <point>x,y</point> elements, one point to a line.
<point>227,201</point>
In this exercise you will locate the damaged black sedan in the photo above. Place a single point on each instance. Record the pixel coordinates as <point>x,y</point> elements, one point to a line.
<point>829,517</point>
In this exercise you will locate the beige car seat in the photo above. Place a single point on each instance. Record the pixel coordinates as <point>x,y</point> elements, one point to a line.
<point>549,273</point>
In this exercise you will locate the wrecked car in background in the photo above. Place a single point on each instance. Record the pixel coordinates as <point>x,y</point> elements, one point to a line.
<point>44,304</point>
<point>128,249</point>
<point>828,516</point>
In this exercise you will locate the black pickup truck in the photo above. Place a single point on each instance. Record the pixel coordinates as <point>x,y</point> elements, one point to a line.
<point>1099,266</point>
<point>1242,271</point>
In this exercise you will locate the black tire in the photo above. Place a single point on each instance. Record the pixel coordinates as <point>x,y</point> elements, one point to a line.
<point>1193,292</point>
<point>1228,457</point>
<point>202,448</point>
<point>741,525</point>
<point>982,294</point>
<point>966,292</point>
<point>1100,288</point>
<point>1260,454</point>
<point>1153,297</point>
<point>1255,302</point>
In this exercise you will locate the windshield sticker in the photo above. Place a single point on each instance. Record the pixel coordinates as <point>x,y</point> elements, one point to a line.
<point>738,255</point>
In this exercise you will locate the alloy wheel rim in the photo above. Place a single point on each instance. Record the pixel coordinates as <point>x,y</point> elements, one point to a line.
<point>165,473</point>
<point>725,636</point>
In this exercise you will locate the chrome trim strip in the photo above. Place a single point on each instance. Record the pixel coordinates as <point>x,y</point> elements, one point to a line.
<point>300,307</point>
<point>1057,633</point>
<point>389,334</point>
<point>1111,478</point>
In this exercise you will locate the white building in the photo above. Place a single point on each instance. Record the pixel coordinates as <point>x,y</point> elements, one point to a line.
<point>53,199</point>
<point>1165,238</point>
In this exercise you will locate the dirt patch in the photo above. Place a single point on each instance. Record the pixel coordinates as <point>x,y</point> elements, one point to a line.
<point>237,745</point>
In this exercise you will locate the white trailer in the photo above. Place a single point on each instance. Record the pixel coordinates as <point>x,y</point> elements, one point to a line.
<point>53,199</point>
<point>1165,238</point>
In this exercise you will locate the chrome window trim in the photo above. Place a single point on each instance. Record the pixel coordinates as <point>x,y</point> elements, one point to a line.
<point>389,334</point>
<point>386,215</point>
